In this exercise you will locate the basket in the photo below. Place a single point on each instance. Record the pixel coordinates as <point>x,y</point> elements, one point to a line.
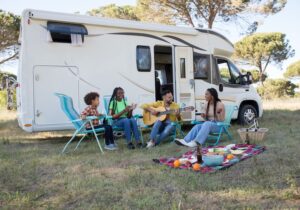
<point>252,134</point>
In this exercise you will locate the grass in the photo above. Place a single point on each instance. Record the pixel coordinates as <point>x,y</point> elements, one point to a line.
<point>33,175</point>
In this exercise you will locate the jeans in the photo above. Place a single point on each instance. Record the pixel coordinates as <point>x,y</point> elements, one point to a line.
<point>108,133</point>
<point>163,129</point>
<point>128,125</point>
<point>200,132</point>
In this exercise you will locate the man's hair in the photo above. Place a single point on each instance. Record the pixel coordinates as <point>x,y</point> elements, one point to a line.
<point>89,97</point>
<point>165,92</point>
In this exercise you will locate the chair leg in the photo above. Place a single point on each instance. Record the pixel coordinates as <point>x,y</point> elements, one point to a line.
<point>67,144</point>
<point>99,145</point>
<point>141,135</point>
<point>219,136</point>
<point>228,133</point>
<point>181,132</point>
<point>79,142</point>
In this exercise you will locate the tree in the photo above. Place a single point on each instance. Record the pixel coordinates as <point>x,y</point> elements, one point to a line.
<point>144,11</point>
<point>114,11</point>
<point>206,12</point>
<point>293,70</point>
<point>261,49</point>
<point>9,33</point>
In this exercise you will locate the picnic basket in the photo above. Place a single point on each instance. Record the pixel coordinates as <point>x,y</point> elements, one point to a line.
<point>252,134</point>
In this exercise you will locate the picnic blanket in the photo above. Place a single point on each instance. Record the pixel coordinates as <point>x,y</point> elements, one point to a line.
<point>248,150</point>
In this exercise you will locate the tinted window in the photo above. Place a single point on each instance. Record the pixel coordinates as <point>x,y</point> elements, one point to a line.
<point>143,58</point>
<point>229,73</point>
<point>61,32</point>
<point>201,66</point>
<point>182,68</point>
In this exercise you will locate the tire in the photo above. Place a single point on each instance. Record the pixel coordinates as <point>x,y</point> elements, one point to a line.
<point>247,114</point>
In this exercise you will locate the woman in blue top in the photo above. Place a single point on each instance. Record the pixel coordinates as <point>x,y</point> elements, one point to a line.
<point>122,115</point>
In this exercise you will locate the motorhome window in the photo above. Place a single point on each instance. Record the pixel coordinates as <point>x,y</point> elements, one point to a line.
<point>201,66</point>
<point>228,72</point>
<point>182,68</point>
<point>143,58</point>
<point>67,33</point>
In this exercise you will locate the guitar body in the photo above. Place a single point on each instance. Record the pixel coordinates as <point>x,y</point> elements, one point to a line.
<point>150,119</point>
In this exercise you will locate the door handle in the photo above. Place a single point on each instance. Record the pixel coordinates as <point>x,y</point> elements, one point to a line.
<point>38,113</point>
<point>192,83</point>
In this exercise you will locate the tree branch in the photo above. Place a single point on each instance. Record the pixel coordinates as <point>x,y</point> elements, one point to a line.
<point>9,58</point>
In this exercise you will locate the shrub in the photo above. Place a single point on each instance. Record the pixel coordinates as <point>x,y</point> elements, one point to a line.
<point>277,88</point>
<point>3,98</point>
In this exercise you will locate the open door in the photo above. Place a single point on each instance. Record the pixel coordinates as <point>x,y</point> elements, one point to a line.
<point>185,84</point>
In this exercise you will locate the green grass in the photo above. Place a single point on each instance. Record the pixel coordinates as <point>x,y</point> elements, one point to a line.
<point>33,175</point>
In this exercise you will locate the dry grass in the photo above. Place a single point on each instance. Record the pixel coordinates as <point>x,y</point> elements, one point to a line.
<point>287,104</point>
<point>33,175</point>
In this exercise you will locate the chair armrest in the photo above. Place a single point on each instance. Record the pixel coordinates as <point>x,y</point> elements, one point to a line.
<point>137,116</point>
<point>92,117</point>
<point>195,122</point>
<point>222,124</point>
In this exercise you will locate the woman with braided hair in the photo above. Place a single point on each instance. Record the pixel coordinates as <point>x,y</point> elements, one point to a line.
<point>122,115</point>
<point>215,112</point>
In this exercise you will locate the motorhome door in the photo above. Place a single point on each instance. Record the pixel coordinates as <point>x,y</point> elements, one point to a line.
<point>185,84</point>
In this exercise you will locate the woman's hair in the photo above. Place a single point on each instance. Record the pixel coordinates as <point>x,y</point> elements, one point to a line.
<point>89,97</point>
<point>214,94</point>
<point>113,98</point>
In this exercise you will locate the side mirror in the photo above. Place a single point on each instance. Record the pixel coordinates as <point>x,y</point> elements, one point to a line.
<point>249,77</point>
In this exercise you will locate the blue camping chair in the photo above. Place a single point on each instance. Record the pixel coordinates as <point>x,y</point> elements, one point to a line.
<point>66,104</point>
<point>214,138</point>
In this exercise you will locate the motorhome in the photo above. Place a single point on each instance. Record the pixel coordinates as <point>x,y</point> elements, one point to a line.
<point>75,54</point>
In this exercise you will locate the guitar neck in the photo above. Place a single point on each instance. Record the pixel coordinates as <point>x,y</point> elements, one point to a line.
<point>170,111</point>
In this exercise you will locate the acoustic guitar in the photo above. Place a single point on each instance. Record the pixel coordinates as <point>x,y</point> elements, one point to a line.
<point>150,119</point>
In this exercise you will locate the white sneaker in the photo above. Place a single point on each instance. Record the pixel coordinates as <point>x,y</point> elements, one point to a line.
<point>150,144</point>
<point>182,142</point>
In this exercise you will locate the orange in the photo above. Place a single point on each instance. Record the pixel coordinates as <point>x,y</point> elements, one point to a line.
<point>230,156</point>
<point>176,164</point>
<point>196,167</point>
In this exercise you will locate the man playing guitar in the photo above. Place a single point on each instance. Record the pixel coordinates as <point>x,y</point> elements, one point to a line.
<point>162,126</point>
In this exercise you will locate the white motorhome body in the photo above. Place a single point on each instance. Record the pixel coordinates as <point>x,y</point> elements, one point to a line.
<point>74,55</point>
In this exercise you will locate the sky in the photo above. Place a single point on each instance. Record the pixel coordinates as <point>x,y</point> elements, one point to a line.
<point>284,22</point>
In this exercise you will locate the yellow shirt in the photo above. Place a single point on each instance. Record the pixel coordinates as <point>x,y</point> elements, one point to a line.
<point>173,106</point>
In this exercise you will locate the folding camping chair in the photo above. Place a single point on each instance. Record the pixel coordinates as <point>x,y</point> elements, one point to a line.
<point>214,138</point>
<point>67,107</point>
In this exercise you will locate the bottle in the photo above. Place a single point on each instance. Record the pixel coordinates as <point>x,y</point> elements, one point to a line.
<point>247,137</point>
<point>199,154</point>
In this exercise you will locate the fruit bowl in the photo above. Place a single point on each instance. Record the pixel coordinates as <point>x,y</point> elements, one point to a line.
<point>213,160</point>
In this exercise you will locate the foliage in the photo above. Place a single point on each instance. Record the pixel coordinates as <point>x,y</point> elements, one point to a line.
<point>3,80</point>
<point>261,49</point>
<point>144,11</point>
<point>293,70</point>
<point>206,12</point>
<point>277,88</point>
<point>9,33</point>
